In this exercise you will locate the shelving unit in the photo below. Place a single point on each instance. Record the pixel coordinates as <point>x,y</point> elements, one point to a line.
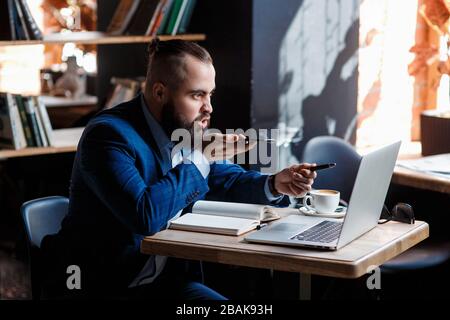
<point>54,102</point>
<point>66,140</point>
<point>99,38</point>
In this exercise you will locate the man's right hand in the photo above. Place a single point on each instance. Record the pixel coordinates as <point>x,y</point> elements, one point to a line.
<point>218,146</point>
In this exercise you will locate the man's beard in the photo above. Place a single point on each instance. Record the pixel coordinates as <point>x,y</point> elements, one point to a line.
<point>172,120</point>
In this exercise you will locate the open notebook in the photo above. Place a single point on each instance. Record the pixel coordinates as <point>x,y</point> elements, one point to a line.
<point>228,218</point>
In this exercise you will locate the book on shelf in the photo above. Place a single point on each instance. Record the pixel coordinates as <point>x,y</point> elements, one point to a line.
<point>19,134</point>
<point>40,126</point>
<point>33,29</point>
<point>6,132</point>
<point>142,18</point>
<point>228,218</point>
<point>43,115</point>
<point>179,17</point>
<point>161,11</point>
<point>7,29</point>
<point>11,131</point>
<point>122,16</point>
<point>32,120</point>
<point>24,122</point>
<point>164,18</point>
<point>17,22</point>
<point>29,137</point>
<point>186,19</point>
<point>174,10</point>
<point>24,35</point>
<point>151,17</point>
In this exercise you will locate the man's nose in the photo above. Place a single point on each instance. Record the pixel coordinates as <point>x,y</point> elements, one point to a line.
<point>207,106</point>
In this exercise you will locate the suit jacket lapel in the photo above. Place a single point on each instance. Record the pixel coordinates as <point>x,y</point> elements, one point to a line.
<point>141,126</point>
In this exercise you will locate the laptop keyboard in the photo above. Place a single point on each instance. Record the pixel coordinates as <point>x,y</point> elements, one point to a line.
<point>325,231</point>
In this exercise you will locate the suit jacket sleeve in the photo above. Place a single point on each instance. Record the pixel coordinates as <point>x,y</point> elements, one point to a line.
<point>230,182</point>
<point>108,164</point>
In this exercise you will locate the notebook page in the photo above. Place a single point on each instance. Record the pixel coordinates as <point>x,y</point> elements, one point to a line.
<point>213,224</point>
<point>234,209</point>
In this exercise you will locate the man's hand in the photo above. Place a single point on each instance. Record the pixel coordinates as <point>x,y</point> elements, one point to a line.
<point>218,146</point>
<point>296,180</point>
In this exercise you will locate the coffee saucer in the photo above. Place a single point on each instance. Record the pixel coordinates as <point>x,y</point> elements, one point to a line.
<point>338,213</point>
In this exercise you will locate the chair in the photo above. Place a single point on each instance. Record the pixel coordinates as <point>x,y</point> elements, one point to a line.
<point>324,149</point>
<point>41,217</point>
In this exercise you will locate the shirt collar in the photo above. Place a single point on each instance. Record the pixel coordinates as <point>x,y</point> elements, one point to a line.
<point>156,130</point>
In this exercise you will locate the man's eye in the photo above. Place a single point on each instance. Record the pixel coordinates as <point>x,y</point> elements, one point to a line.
<point>197,95</point>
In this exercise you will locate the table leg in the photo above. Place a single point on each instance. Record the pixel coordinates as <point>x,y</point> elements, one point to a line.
<point>305,286</point>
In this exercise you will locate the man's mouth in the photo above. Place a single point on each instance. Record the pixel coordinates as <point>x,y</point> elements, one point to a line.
<point>204,123</point>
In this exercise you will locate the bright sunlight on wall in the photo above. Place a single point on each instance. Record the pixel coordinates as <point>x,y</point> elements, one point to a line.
<point>385,94</point>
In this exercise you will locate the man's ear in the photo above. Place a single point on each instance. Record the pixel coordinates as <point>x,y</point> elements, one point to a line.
<point>159,92</point>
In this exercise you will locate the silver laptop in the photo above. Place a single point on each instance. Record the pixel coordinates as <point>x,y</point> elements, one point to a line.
<point>363,212</point>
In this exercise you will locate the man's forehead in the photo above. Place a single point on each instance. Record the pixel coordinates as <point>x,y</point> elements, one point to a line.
<point>199,73</point>
<point>194,66</point>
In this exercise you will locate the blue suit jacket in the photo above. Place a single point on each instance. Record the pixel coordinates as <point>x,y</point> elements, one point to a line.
<point>122,190</point>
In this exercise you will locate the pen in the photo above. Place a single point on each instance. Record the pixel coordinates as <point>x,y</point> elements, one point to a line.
<point>323,166</point>
<point>260,226</point>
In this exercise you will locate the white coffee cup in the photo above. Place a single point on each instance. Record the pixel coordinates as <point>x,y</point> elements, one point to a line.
<point>322,200</point>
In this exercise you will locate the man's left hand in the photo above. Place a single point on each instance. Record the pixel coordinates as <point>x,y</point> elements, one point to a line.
<point>296,180</point>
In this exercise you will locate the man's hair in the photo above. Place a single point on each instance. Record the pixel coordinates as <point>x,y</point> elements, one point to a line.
<point>167,61</point>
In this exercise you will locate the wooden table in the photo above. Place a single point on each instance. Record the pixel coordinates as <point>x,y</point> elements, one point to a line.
<point>412,178</point>
<point>352,261</point>
<point>417,179</point>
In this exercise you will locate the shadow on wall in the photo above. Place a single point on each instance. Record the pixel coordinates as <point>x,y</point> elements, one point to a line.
<point>324,114</point>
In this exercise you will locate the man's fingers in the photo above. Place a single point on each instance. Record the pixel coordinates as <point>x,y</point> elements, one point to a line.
<point>297,184</point>
<point>226,146</point>
<point>302,179</point>
<point>308,173</point>
<point>293,190</point>
<point>302,186</point>
<point>230,138</point>
<point>296,190</point>
<point>227,153</point>
<point>306,165</point>
<point>239,148</point>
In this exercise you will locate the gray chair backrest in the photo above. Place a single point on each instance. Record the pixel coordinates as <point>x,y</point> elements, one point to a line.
<point>43,216</point>
<point>326,149</point>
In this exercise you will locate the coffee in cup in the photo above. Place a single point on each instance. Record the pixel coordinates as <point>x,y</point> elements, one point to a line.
<point>322,200</point>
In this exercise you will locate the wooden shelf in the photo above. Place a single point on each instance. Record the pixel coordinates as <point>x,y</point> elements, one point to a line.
<point>65,140</point>
<point>54,102</point>
<point>95,37</point>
